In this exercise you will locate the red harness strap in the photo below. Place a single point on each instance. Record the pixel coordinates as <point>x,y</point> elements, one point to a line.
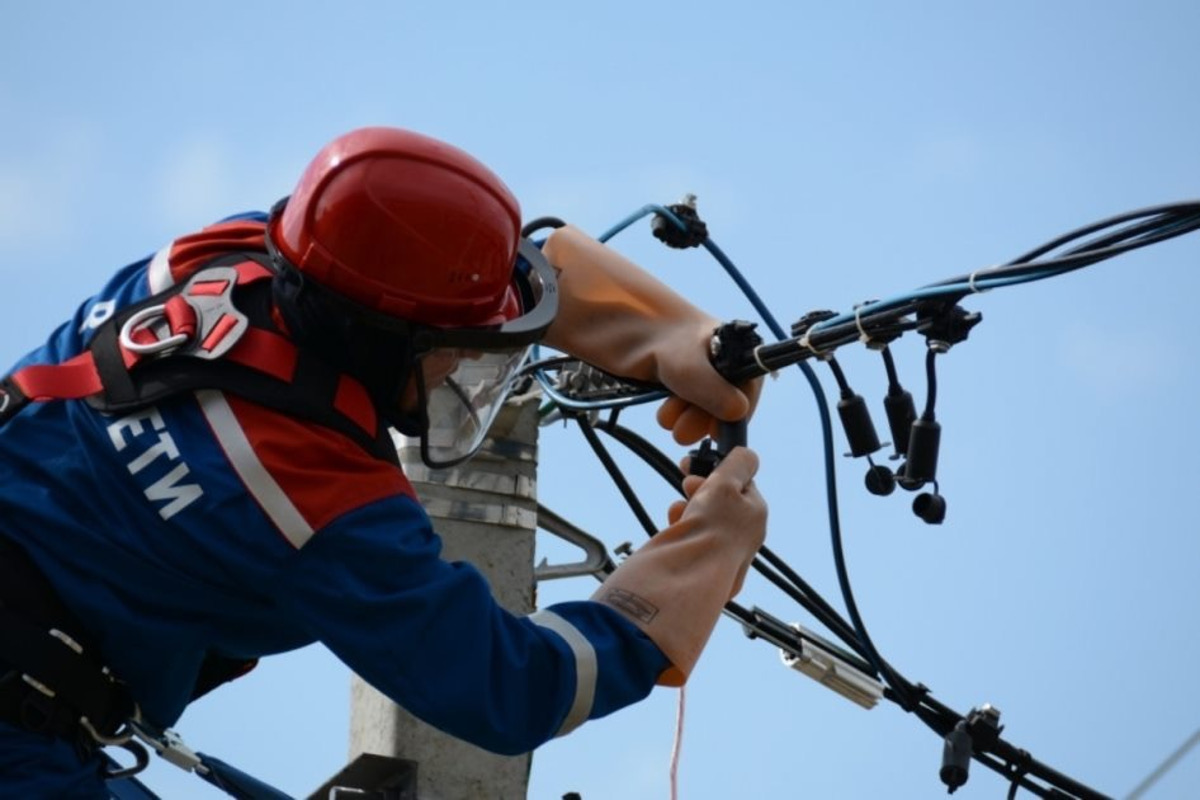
<point>71,379</point>
<point>168,327</point>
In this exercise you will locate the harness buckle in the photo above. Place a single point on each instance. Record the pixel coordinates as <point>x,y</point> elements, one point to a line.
<point>169,745</point>
<point>213,324</point>
<point>219,324</point>
<point>145,320</point>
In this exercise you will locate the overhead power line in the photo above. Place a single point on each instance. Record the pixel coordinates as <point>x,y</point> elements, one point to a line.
<point>1164,767</point>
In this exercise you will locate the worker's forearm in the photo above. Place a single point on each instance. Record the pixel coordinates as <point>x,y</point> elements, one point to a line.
<point>612,313</point>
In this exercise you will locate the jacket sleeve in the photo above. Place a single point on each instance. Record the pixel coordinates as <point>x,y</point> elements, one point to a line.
<point>428,634</point>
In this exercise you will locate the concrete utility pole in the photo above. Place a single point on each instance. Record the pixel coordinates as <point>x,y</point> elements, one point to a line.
<point>486,512</point>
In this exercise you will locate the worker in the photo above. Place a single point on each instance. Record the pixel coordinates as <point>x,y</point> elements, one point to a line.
<point>196,469</point>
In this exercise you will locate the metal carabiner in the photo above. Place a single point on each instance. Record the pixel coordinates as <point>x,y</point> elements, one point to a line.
<point>169,746</point>
<point>123,739</point>
<point>141,761</point>
<point>119,739</point>
<point>137,322</point>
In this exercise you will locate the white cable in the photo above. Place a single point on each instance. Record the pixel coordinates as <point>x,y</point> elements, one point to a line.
<point>677,746</point>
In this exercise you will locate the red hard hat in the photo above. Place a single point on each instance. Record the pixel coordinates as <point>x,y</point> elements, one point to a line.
<point>405,225</point>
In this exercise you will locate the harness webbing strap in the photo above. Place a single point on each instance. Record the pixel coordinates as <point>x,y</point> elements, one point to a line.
<point>266,352</point>
<point>70,380</point>
<point>52,662</point>
<point>352,400</point>
<point>40,638</point>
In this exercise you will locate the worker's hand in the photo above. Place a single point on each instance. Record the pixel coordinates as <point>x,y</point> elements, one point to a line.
<point>726,500</point>
<point>675,586</point>
<point>615,315</point>
<point>700,397</point>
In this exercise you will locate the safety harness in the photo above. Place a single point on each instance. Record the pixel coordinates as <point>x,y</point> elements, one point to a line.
<point>193,336</point>
<point>216,330</point>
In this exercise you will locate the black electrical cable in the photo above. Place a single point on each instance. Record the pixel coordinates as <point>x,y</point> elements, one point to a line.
<point>1167,222</point>
<point>771,566</point>
<point>937,716</point>
<point>914,698</point>
<point>618,478</point>
<point>889,365</point>
<point>839,376</point>
<point>535,225</point>
<point>931,380</point>
<point>1180,211</point>
<point>855,637</point>
<point>814,604</point>
<point>655,458</point>
<point>1144,227</point>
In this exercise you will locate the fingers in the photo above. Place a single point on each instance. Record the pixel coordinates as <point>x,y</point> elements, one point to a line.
<point>693,425</point>
<point>737,469</point>
<point>739,466</point>
<point>670,411</point>
<point>691,483</point>
<point>708,391</point>
<point>689,422</point>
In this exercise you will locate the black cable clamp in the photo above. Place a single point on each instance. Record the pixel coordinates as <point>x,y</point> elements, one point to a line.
<point>694,232</point>
<point>801,326</point>
<point>978,732</point>
<point>946,323</point>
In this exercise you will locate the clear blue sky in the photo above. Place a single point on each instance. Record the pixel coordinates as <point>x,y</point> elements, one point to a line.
<point>840,152</point>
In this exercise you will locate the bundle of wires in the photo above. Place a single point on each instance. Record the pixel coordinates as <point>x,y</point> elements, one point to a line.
<point>882,320</point>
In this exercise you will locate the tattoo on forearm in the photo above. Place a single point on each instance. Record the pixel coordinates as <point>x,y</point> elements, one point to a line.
<point>637,607</point>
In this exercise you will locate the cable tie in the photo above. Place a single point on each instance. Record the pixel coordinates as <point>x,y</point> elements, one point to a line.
<point>863,336</point>
<point>805,342</point>
<point>971,280</point>
<point>758,360</point>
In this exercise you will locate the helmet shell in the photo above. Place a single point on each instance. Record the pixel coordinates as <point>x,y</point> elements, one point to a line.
<point>405,225</point>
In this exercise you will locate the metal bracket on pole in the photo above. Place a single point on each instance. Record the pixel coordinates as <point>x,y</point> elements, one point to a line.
<point>597,561</point>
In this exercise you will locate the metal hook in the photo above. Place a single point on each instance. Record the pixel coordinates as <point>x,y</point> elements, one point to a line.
<point>141,761</point>
<point>597,561</point>
<point>119,739</point>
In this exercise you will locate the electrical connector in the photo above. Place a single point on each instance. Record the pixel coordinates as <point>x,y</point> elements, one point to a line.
<point>828,668</point>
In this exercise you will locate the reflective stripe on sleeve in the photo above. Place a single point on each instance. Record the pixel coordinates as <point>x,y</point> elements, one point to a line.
<point>586,668</point>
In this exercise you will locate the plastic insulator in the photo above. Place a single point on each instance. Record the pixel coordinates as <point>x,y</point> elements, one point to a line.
<point>856,420</point>
<point>956,757</point>
<point>901,414</point>
<point>931,508</point>
<point>923,443</point>
<point>880,481</point>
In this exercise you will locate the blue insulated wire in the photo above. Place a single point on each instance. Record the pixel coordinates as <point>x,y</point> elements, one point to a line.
<point>831,499</point>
